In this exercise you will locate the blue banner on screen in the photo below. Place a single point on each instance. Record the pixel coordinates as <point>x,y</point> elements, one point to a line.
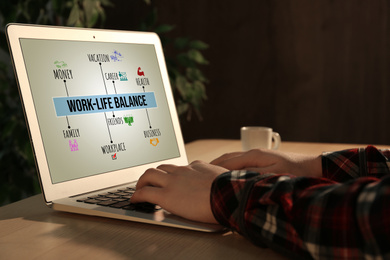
<point>68,106</point>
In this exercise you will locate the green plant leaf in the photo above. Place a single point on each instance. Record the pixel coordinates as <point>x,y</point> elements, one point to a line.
<point>74,15</point>
<point>91,12</point>
<point>106,3</point>
<point>182,86</point>
<point>181,43</point>
<point>184,60</point>
<point>199,45</point>
<point>197,56</point>
<point>164,28</point>
<point>195,74</point>
<point>182,108</point>
<point>200,91</point>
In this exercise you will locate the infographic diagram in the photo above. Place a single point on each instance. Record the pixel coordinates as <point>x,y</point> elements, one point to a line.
<point>99,109</point>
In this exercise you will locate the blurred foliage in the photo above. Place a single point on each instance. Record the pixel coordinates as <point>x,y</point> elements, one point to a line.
<point>186,77</point>
<point>18,177</point>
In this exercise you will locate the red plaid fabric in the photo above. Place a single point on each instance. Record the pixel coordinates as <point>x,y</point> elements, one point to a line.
<point>344,215</point>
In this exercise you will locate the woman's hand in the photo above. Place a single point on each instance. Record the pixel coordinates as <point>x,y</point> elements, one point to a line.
<point>181,190</point>
<point>270,161</point>
<point>185,190</point>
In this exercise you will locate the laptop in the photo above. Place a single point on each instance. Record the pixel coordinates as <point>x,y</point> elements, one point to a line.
<point>100,111</point>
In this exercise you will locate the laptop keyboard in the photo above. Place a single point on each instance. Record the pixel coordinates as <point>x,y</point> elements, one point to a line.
<point>119,199</point>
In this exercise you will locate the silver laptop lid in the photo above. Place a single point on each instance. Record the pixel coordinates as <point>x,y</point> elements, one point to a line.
<point>98,103</point>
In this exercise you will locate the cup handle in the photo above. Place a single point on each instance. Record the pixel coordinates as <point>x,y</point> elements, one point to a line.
<point>276,140</point>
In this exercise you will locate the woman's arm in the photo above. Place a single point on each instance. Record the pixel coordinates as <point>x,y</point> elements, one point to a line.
<point>312,217</point>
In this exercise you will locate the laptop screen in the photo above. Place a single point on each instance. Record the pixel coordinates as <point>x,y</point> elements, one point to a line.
<point>100,106</point>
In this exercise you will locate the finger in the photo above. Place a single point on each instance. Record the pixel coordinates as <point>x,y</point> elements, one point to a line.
<point>203,167</point>
<point>225,156</point>
<point>235,163</point>
<point>197,164</point>
<point>253,158</point>
<point>147,194</point>
<point>174,169</point>
<point>168,168</point>
<point>153,177</point>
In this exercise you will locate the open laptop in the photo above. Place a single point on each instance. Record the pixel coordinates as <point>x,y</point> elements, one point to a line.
<point>100,111</point>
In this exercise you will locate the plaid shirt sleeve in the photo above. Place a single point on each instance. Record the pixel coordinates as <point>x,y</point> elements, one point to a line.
<point>343,215</point>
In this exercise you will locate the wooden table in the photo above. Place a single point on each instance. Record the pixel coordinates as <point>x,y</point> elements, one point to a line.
<point>30,230</point>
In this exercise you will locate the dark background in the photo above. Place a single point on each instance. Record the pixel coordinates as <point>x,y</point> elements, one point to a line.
<point>313,70</point>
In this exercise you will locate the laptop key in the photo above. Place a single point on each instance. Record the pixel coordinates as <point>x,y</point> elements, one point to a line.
<point>121,193</point>
<point>121,199</point>
<point>92,201</point>
<point>146,205</point>
<point>131,206</point>
<point>102,198</point>
<point>107,203</point>
<point>121,204</point>
<point>112,196</point>
<point>142,207</point>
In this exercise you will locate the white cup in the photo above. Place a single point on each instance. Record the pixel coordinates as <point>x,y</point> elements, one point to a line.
<point>255,137</point>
